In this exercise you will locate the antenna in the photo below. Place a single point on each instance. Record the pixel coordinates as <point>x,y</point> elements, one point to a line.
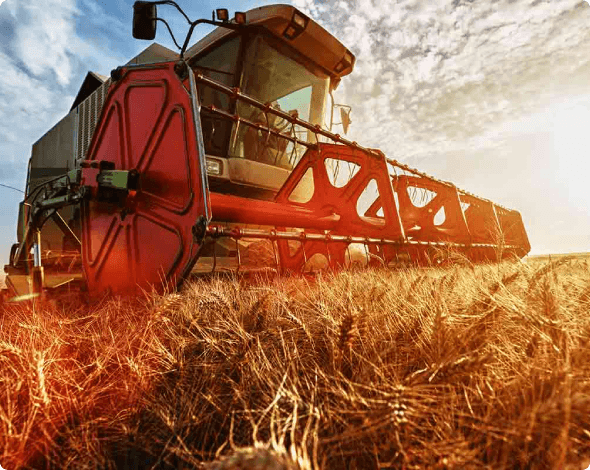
<point>10,187</point>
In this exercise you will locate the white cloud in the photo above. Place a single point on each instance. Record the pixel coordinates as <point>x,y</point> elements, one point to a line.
<point>43,59</point>
<point>446,70</point>
<point>44,34</point>
<point>28,104</point>
<point>46,41</point>
<point>468,91</point>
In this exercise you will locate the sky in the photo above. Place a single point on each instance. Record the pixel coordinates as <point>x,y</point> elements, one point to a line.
<point>493,95</point>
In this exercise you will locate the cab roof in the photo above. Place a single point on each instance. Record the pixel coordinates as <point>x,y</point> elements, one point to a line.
<point>296,29</point>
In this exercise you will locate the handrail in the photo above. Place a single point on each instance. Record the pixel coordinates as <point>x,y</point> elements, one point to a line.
<point>236,94</point>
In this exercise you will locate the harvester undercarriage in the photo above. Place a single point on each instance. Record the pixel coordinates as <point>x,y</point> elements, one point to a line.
<point>148,218</point>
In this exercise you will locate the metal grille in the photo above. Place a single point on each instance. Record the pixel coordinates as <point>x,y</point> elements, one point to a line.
<point>88,114</point>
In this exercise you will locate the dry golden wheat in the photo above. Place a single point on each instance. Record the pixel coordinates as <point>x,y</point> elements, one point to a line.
<point>450,368</point>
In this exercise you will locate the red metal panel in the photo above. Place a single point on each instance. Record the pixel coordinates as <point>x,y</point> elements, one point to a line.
<point>342,201</point>
<point>419,222</point>
<point>147,125</point>
<point>512,230</point>
<point>481,219</point>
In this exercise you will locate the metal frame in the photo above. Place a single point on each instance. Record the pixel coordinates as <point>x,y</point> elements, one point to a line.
<point>481,232</point>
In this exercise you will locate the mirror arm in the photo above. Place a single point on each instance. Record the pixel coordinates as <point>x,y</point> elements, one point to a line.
<point>341,106</point>
<point>332,109</point>
<point>211,22</point>
<point>174,4</point>
<point>169,30</point>
<point>192,23</point>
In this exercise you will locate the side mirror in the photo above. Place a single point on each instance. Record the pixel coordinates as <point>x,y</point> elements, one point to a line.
<point>345,118</point>
<point>144,20</point>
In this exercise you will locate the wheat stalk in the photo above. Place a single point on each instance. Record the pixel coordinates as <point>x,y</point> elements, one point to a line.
<point>441,381</point>
<point>169,302</point>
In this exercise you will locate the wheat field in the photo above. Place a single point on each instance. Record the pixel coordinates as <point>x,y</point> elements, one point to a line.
<point>466,367</point>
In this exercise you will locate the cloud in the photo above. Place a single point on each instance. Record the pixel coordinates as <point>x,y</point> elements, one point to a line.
<point>43,37</point>
<point>44,59</point>
<point>28,104</point>
<point>44,56</point>
<point>443,72</point>
<point>476,93</point>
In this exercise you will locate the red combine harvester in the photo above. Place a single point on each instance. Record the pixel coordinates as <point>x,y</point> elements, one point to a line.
<point>220,157</point>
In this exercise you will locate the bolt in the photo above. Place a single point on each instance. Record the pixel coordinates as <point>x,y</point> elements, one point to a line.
<point>116,74</point>
<point>181,69</point>
<point>199,229</point>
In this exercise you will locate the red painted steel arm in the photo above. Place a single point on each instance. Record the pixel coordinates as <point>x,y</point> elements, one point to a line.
<point>251,211</point>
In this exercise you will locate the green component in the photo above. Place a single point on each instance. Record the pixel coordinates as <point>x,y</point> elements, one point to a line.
<point>71,177</point>
<point>54,202</point>
<point>75,176</point>
<point>60,201</point>
<point>117,179</point>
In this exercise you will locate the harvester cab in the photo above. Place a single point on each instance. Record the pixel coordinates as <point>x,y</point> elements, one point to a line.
<point>223,156</point>
<point>281,58</point>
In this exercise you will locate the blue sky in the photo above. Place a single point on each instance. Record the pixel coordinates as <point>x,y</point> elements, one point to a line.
<point>492,95</point>
<point>46,49</point>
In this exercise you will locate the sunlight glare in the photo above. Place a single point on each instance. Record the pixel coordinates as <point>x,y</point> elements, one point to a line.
<point>571,145</point>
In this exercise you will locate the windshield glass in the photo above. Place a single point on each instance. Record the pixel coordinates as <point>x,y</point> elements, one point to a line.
<point>270,76</point>
<point>220,65</point>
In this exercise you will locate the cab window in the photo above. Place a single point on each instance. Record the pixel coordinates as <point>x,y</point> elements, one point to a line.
<point>272,76</point>
<point>221,65</point>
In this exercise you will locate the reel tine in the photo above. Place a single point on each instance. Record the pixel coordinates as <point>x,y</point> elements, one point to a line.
<point>235,136</point>
<point>349,255</point>
<point>350,171</point>
<point>214,256</point>
<point>274,252</point>
<point>72,263</point>
<point>293,133</point>
<point>304,255</point>
<point>238,255</point>
<point>328,252</point>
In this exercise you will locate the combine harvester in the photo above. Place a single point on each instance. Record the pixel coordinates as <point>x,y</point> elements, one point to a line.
<point>219,157</point>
